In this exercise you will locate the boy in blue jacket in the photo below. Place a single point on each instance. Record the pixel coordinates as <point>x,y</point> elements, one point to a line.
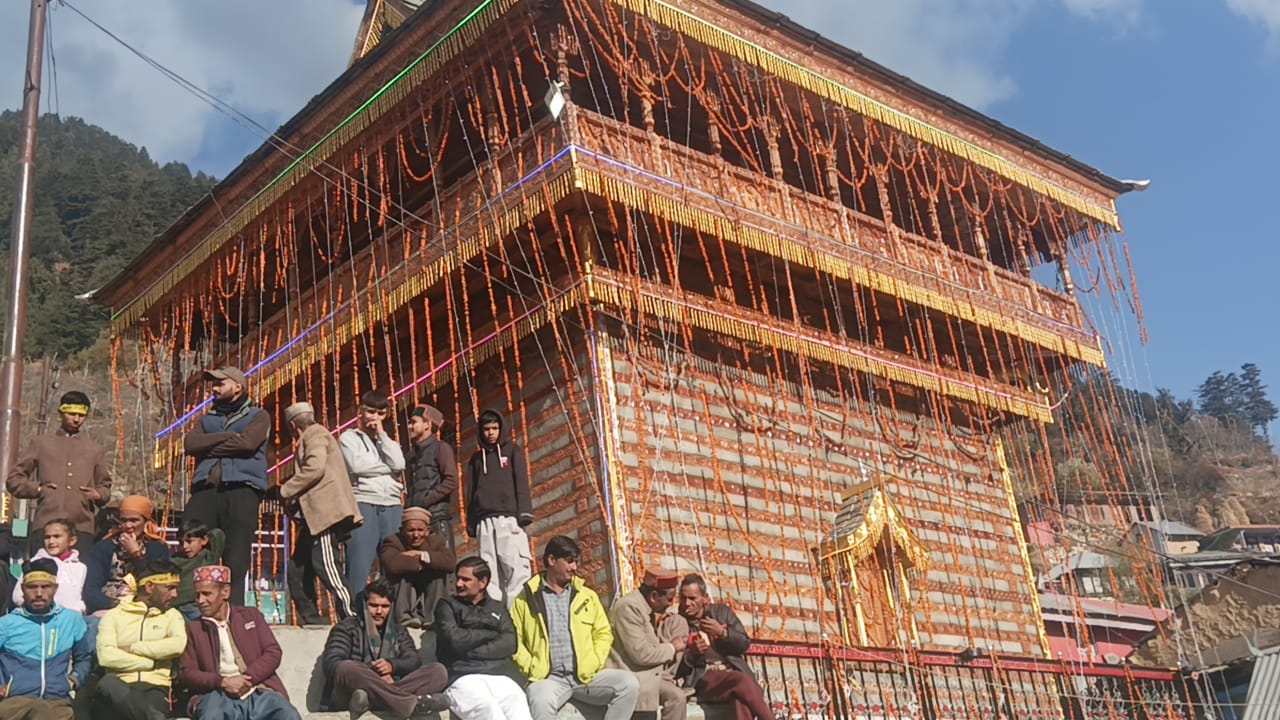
<point>43,651</point>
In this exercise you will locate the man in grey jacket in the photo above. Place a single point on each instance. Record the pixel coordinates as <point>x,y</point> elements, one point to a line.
<point>375,463</point>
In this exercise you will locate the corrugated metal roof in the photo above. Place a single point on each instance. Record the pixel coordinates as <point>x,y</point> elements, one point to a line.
<point>1085,560</point>
<point>1170,527</point>
<point>1263,702</point>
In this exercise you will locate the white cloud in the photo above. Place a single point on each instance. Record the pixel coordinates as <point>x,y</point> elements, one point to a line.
<point>953,46</point>
<point>1263,12</point>
<point>1125,12</point>
<point>264,58</point>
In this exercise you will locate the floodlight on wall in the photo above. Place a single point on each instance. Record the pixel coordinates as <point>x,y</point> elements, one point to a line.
<point>555,99</point>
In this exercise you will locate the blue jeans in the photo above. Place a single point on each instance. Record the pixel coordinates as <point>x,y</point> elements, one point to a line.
<point>261,704</point>
<point>380,522</point>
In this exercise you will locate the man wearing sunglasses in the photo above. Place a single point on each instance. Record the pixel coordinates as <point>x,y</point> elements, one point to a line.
<point>375,463</point>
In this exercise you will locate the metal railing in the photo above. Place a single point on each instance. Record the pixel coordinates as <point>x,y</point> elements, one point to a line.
<point>872,684</point>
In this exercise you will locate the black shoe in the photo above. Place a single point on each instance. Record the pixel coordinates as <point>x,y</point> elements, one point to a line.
<point>431,703</point>
<point>359,704</point>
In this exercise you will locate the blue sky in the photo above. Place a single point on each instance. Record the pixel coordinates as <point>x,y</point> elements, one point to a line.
<point>1189,98</point>
<point>1183,93</point>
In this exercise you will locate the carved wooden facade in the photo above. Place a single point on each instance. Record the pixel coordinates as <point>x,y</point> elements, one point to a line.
<point>710,323</point>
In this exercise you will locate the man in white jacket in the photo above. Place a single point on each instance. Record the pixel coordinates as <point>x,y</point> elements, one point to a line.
<point>375,463</point>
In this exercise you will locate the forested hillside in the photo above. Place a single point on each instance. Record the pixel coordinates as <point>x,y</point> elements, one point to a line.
<point>99,202</point>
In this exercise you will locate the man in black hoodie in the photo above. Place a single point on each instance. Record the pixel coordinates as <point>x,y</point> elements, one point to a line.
<point>499,508</point>
<point>476,640</point>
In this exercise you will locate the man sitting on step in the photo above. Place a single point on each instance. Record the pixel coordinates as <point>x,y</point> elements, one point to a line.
<point>714,664</point>
<point>138,641</point>
<point>565,639</point>
<point>231,659</point>
<point>44,655</point>
<point>371,663</point>
<point>417,562</point>
<point>650,642</point>
<point>475,640</point>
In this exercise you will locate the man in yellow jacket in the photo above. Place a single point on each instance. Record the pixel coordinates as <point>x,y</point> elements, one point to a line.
<point>138,642</point>
<point>565,639</point>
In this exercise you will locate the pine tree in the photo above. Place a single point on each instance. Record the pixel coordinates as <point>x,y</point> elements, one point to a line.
<point>1255,407</point>
<point>1219,397</point>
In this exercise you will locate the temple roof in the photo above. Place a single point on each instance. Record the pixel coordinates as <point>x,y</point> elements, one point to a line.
<point>381,16</point>
<point>864,518</point>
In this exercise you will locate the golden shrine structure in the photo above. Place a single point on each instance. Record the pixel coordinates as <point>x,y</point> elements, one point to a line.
<point>755,306</point>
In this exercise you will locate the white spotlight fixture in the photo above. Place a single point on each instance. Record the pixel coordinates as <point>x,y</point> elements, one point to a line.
<point>1137,185</point>
<point>555,99</point>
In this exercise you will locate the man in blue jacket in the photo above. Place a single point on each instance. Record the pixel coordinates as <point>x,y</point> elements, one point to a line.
<point>230,447</point>
<point>43,651</point>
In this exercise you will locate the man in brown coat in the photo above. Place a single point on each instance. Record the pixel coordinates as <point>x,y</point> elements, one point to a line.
<point>66,473</point>
<point>648,641</point>
<point>321,489</point>
<point>417,563</point>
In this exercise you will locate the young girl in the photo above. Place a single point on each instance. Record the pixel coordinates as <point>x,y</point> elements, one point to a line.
<point>59,546</point>
<point>133,543</point>
<point>197,546</point>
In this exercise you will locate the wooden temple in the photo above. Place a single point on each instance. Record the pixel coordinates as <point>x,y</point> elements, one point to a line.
<point>756,307</point>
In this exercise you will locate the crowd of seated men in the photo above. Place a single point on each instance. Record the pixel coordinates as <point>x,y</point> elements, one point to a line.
<point>119,627</point>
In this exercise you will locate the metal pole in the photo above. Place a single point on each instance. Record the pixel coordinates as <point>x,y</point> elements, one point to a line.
<point>15,320</point>
<point>46,385</point>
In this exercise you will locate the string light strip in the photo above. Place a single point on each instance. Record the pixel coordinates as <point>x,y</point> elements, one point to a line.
<point>464,34</point>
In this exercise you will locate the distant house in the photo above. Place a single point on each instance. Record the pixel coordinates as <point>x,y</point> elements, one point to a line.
<point>1166,537</point>
<point>1084,573</point>
<point>1218,552</point>
<point>1098,510</point>
<point>1084,629</point>
<point>1255,539</point>
<point>1202,569</point>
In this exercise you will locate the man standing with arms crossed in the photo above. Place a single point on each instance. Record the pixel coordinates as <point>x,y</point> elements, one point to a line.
<point>230,448</point>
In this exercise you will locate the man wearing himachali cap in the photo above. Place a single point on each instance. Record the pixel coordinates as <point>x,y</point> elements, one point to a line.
<point>322,491</point>
<point>138,641</point>
<point>230,663</point>
<point>649,641</point>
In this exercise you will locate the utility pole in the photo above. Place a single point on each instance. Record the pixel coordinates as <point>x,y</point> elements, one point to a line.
<point>15,320</point>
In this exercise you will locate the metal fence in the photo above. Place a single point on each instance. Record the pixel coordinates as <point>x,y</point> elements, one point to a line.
<point>870,684</point>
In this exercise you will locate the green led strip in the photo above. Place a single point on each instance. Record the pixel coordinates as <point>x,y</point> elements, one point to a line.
<point>343,132</point>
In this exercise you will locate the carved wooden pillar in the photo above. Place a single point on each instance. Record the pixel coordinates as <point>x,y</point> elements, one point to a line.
<point>770,128</point>
<point>826,151</point>
<point>712,103</point>
<point>881,173</point>
<point>565,44</point>
<point>984,252</point>
<point>496,140</point>
<point>1064,266</point>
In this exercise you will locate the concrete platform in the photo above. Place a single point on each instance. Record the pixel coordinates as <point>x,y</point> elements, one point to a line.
<point>302,677</point>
